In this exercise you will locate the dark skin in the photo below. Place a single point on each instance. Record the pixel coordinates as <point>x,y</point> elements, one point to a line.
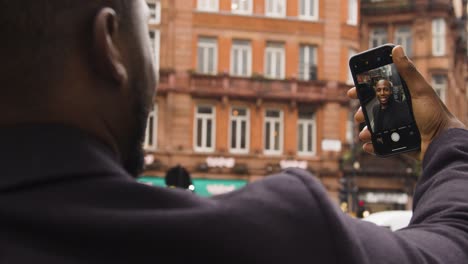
<point>432,116</point>
<point>107,86</point>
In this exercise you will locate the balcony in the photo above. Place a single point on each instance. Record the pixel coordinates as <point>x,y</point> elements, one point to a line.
<point>439,5</point>
<point>385,7</point>
<point>256,87</point>
<point>375,7</point>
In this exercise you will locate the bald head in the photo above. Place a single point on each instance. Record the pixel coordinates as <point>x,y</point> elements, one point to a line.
<point>38,37</point>
<point>81,63</point>
<point>384,82</point>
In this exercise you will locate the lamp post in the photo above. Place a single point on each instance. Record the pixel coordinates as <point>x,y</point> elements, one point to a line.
<point>354,187</point>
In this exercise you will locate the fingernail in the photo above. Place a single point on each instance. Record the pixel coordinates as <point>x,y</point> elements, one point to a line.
<point>399,53</point>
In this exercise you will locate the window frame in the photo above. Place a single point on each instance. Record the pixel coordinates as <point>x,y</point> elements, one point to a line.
<point>405,37</point>
<point>271,151</point>
<point>208,5</point>
<point>155,47</point>
<point>440,88</point>
<point>353,12</point>
<point>147,145</point>
<point>238,119</point>
<point>305,122</point>
<point>379,37</point>
<point>212,43</point>
<point>204,117</point>
<point>305,14</point>
<point>156,11</point>
<point>273,13</point>
<point>304,68</point>
<point>273,48</point>
<point>248,48</point>
<point>247,11</point>
<point>438,37</point>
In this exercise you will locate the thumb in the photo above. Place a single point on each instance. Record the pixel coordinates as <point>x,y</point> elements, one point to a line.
<point>415,81</point>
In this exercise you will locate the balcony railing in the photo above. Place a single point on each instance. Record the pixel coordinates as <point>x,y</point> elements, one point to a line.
<point>382,7</point>
<point>370,7</point>
<point>256,87</point>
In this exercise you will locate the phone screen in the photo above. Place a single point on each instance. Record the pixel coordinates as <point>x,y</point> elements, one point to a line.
<point>386,102</point>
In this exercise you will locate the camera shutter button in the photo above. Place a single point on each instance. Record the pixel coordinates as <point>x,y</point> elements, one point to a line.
<point>395,137</point>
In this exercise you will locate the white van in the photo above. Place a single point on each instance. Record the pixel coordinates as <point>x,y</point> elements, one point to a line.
<point>393,220</point>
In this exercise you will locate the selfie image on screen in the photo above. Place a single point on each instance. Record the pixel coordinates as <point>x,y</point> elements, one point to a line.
<point>384,98</point>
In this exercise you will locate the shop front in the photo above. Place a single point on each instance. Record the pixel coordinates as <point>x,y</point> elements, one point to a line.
<point>203,186</point>
<point>376,200</point>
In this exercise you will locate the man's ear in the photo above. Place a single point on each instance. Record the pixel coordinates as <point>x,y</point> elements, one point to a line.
<point>107,55</point>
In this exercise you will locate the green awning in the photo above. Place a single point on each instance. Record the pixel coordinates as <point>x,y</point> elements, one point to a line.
<point>203,187</point>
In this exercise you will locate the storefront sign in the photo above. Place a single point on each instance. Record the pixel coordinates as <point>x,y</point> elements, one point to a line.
<point>331,145</point>
<point>380,197</point>
<point>220,162</point>
<point>215,188</point>
<point>293,164</point>
<point>203,187</point>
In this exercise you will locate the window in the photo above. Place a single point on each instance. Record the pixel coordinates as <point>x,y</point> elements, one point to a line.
<point>155,11</point>
<point>274,61</point>
<point>403,38</point>
<point>273,132</point>
<point>208,5</point>
<point>241,58</point>
<point>351,52</point>
<point>151,129</point>
<point>204,129</point>
<point>239,130</point>
<point>307,63</point>
<point>439,83</point>
<point>154,43</point>
<point>438,37</point>
<point>275,8</point>
<point>241,6</point>
<point>306,133</point>
<point>353,12</point>
<point>308,9</point>
<point>207,55</point>
<point>378,36</point>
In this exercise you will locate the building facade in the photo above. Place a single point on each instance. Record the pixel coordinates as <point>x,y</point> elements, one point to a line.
<point>435,40</point>
<point>248,87</point>
<point>433,37</point>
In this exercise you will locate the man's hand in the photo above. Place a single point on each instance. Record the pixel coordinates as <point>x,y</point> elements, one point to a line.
<point>432,116</point>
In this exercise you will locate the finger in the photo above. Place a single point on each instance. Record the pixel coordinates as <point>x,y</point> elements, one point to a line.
<point>365,135</point>
<point>415,81</point>
<point>369,148</point>
<point>352,93</point>
<point>359,116</point>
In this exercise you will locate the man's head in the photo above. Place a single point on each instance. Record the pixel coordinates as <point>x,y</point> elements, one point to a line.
<point>383,89</point>
<point>83,63</point>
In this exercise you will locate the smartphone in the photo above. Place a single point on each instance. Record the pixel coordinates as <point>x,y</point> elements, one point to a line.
<point>385,101</point>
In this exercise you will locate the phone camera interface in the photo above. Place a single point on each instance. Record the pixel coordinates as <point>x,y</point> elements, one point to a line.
<point>384,98</point>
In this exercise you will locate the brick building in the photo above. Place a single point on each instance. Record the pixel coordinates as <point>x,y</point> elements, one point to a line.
<point>247,87</point>
<point>433,37</point>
